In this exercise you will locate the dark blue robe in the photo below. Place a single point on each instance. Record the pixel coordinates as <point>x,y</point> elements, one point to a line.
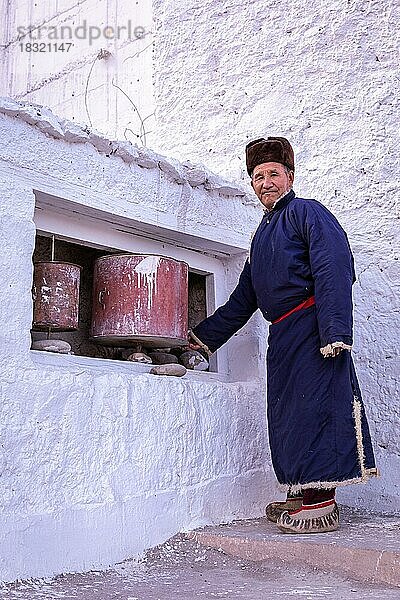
<point>318,431</point>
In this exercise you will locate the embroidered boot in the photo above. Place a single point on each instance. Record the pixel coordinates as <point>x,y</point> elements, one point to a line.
<point>313,518</point>
<point>275,509</point>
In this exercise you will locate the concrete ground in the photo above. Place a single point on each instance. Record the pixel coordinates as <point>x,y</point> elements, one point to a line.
<point>185,569</point>
<point>366,547</point>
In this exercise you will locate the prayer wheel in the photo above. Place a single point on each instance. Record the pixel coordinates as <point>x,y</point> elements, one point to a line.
<point>140,299</point>
<point>56,296</point>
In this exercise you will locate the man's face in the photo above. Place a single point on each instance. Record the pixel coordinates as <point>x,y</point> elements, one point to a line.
<point>270,181</point>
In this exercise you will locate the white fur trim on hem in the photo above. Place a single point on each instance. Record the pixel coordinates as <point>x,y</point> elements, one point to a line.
<point>366,474</point>
<point>327,485</point>
<point>359,436</point>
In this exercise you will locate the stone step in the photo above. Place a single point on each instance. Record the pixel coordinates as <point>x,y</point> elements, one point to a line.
<point>366,547</point>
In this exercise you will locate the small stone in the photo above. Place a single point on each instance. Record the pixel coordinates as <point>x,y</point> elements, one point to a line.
<point>172,168</point>
<point>11,107</point>
<point>127,151</point>
<point>224,187</point>
<point>58,346</point>
<point>101,143</point>
<point>139,357</point>
<point>163,358</point>
<point>73,132</point>
<point>126,352</point>
<point>172,369</point>
<point>147,158</point>
<point>195,174</point>
<point>194,360</point>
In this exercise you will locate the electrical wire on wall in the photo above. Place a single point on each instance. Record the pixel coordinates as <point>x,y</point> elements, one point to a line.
<point>142,134</point>
<point>103,55</point>
<point>98,56</point>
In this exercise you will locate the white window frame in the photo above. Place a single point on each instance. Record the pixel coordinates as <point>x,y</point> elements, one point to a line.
<point>91,227</point>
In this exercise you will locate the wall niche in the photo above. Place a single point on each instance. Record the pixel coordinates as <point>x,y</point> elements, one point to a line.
<point>85,256</point>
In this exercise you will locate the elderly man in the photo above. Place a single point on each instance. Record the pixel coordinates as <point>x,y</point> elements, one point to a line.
<point>300,275</point>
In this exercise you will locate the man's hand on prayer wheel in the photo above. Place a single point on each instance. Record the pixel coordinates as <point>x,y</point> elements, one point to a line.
<point>196,344</point>
<point>193,346</point>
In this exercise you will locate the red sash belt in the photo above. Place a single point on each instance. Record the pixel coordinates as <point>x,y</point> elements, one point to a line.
<point>305,304</point>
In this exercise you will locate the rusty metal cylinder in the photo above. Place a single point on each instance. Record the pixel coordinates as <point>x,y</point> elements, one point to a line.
<point>56,296</point>
<point>140,299</point>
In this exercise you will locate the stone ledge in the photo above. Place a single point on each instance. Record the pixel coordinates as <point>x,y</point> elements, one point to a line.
<point>53,126</point>
<point>366,547</point>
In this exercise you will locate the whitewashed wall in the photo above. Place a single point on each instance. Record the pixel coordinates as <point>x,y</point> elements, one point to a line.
<point>325,75</point>
<point>99,459</point>
<point>113,94</point>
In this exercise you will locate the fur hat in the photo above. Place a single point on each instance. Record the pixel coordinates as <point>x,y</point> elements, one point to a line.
<point>272,149</point>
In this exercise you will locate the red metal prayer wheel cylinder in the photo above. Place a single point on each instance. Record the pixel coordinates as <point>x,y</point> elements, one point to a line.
<point>140,299</point>
<point>56,296</point>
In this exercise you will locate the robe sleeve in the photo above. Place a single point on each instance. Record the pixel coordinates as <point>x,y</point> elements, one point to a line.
<point>332,268</point>
<point>232,316</point>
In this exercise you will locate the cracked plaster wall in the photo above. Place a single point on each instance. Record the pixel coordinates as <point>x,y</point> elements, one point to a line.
<point>73,82</point>
<point>326,77</point>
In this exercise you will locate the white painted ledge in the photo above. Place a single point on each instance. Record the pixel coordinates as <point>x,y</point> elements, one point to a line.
<point>74,363</point>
